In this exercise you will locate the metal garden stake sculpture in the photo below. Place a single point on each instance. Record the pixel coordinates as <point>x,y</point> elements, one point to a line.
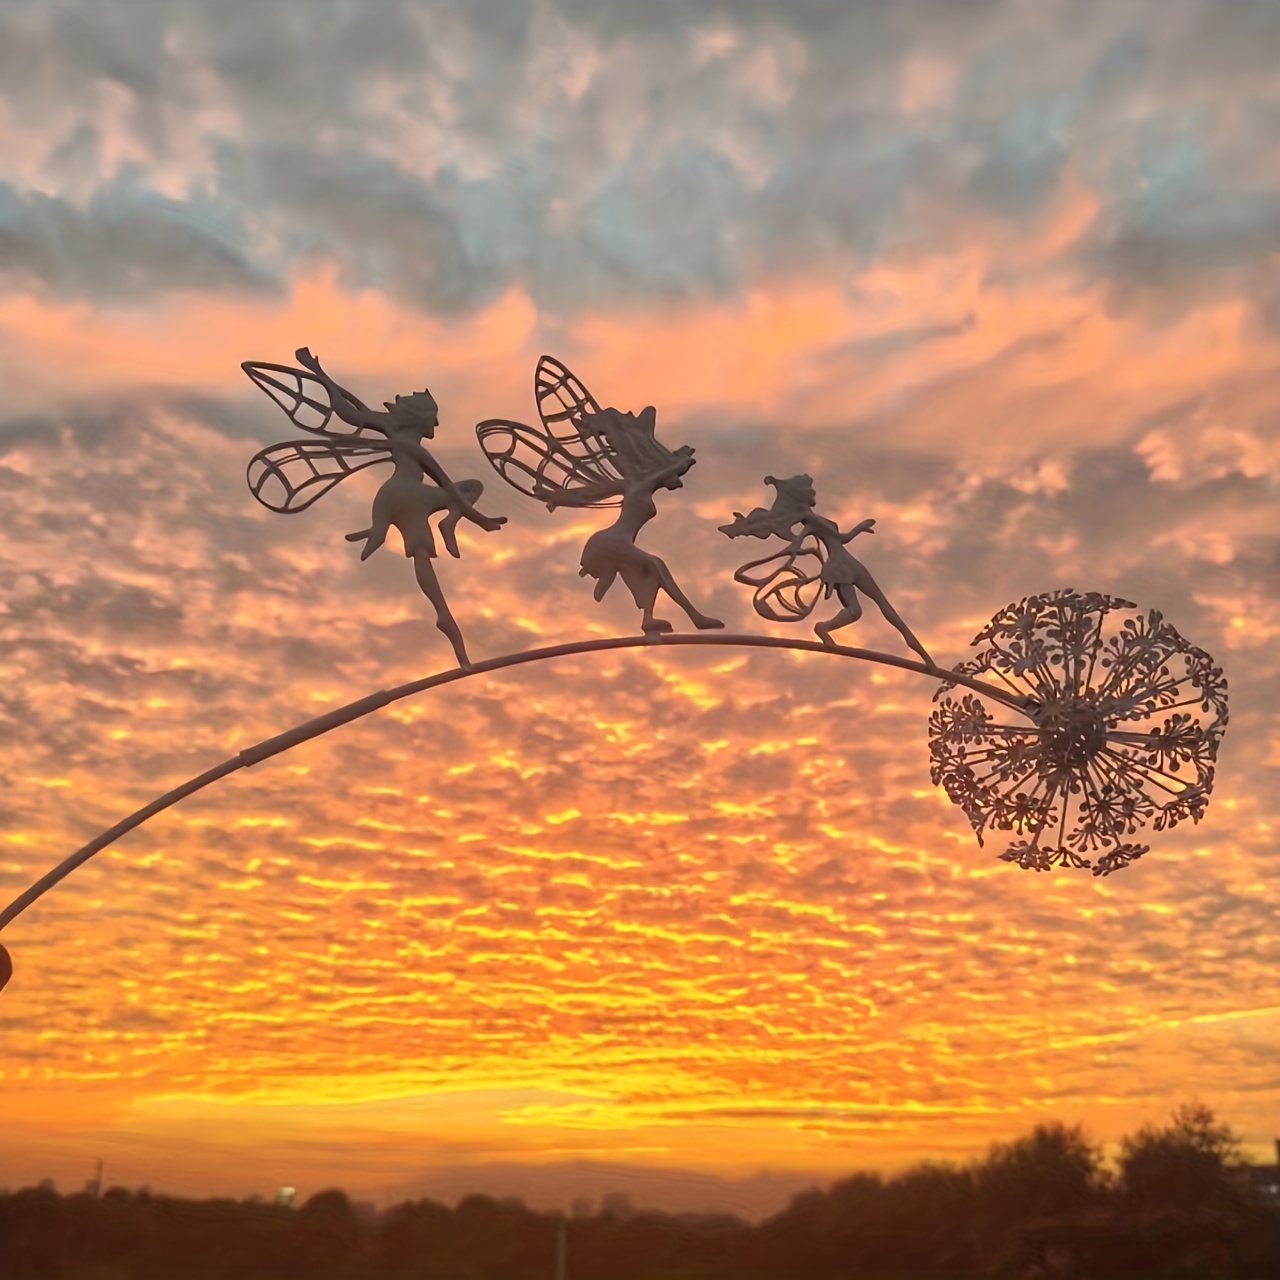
<point>1079,720</point>
<point>586,456</point>
<point>290,476</point>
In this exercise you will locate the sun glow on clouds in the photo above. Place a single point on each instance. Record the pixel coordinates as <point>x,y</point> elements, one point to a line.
<point>699,909</point>
<point>196,343</point>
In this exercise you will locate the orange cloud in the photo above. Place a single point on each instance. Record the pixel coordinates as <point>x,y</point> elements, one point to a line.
<point>702,905</point>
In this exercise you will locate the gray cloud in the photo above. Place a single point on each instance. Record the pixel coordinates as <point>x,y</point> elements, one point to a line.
<point>1023,163</point>
<point>129,241</point>
<point>586,152</point>
<point>1176,222</point>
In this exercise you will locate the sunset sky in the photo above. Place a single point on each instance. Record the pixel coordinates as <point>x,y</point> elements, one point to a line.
<point>1002,274</point>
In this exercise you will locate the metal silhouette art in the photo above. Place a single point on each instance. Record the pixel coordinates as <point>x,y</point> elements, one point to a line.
<point>1079,720</point>
<point>290,476</point>
<point>586,456</point>
<point>814,564</point>
<point>1123,722</point>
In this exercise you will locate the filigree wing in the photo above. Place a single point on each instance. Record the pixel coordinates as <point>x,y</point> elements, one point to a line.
<point>290,476</point>
<point>562,400</point>
<point>307,402</point>
<point>788,583</point>
<point>549,469</point>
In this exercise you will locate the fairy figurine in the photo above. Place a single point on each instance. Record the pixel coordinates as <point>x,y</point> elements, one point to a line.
<point>586,456</point>
<point>814,564</point>
<point>290,476</point>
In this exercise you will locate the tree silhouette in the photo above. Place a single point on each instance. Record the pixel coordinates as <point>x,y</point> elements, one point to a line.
<point>1051,1175</point>
<point>412,1236</point>
<point>328,1233</point>
<point>34,1233</point>
<point>1182,1166</point>
<point>1038,1206</point>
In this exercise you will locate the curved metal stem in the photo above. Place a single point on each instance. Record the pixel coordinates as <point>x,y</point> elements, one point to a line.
<point>375,701</point>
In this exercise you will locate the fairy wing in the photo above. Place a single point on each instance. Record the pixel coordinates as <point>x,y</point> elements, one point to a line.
<point>788,583</point>
<point>307,402</point>
<point>550,470</point>
<point>562,400</point>
<point>564,463</point>
<point>290,476</point>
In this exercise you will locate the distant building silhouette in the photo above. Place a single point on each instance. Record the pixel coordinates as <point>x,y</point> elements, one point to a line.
<point>582,1207</point>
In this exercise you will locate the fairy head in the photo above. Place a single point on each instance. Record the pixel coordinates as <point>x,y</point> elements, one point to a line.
<point>793,499</point>
<point>416,412</point>
<point>631,442</point>
<point>794,495</point>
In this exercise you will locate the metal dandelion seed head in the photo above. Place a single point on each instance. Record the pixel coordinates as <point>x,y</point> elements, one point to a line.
<point>1073,730</point>
<point>1124,718</point>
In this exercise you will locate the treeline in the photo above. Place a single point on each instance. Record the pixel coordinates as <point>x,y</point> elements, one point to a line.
<point>1043,1206</point>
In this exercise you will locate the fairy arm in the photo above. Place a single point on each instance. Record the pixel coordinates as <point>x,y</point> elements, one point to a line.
<point>864,526</point>
<point>672,472</point>
<point>583,496</point>
<point>424,459</point>
<point>593,495</point>
<point>441,477</point>
<point>344,405</point>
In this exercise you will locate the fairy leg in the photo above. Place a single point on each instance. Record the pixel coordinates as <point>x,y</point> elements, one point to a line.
<point>868,585</point>
<point>448,527</point>
<point>470,491</point>
<point>696,616</point>
<point>373,538</point>
<point>847,616</point>
<point>376,534</point>
<point>430,584</point>
<point>643,583</point>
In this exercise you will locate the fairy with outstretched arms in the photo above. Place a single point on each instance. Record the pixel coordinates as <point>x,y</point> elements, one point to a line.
<point>814,564</point>
<point>586,456</point>
<point>290,476</point>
